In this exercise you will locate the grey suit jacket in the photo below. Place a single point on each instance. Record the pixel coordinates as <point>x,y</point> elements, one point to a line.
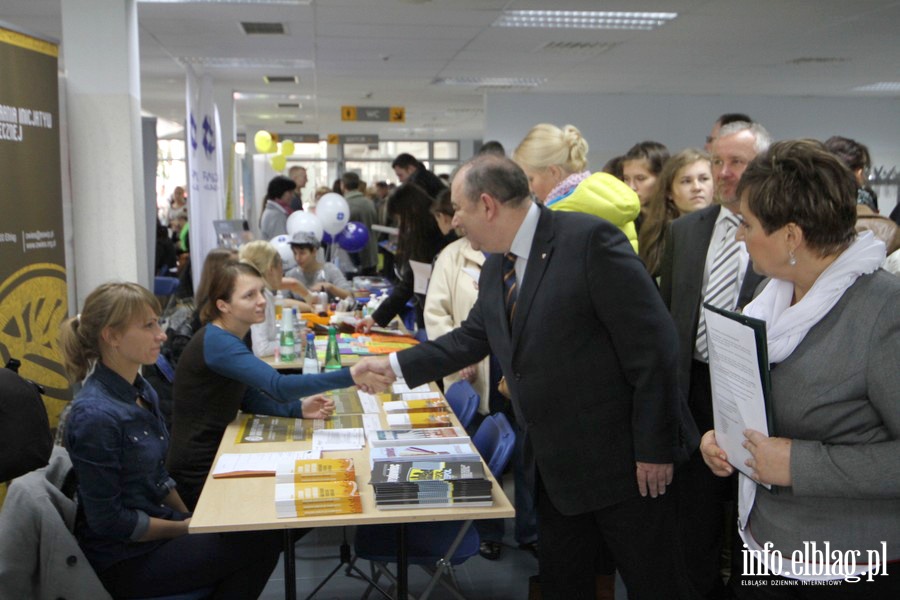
<point>589,359</point>
<point>681,280</point>
<point>837,396</point>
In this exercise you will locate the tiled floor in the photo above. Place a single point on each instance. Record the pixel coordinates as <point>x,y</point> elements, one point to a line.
<point>480,579</point>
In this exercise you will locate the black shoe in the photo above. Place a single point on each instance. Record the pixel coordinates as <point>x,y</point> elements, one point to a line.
<point>530,547</point>
<point>490,550</point>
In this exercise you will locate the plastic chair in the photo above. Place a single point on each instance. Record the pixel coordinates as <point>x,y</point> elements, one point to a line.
<point>165,286</point>
<point>437,547</point>
<point>464,401</point>
<point>496,439</point>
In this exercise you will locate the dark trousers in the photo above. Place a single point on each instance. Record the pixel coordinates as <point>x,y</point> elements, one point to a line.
<point>639,533</point>
<point>702,499</point>
<point>236,565</point>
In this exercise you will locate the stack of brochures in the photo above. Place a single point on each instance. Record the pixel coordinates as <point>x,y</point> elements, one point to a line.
<point>317,499</point>
<point>418,437</point>
<point>430,483</point>
<point>307,488</point>
<point>311,471</point>
<point>424,451</point>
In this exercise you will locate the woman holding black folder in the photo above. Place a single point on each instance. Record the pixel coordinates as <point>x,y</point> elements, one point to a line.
<point>833,325</point>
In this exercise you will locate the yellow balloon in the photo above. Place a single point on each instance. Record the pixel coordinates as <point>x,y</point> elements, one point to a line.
<point>287,148</point>
<point>279,162</point>
<point>262,140</point>
<point>273,147</point>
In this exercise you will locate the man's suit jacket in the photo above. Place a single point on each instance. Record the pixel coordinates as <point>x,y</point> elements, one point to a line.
<point>681,280</point>
<point>590,361</point>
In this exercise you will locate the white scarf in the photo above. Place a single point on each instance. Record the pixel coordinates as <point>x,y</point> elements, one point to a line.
<point>787,325</point>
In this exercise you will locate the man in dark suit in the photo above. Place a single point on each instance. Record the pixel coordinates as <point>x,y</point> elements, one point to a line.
<point>589,356</point>
<point>692,246</point>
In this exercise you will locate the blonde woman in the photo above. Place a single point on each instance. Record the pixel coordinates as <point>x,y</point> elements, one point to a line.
<point>132,522</point>
<point>684,185</point>
<point>262,256</point>
<point>555,161</point>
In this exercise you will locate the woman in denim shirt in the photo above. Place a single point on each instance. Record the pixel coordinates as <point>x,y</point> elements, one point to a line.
<point>132,524</point>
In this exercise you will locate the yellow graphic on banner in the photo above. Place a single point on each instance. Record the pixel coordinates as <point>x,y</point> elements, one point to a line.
<point>348,113</point>
<point>33,304</point>
<point>14,38</point>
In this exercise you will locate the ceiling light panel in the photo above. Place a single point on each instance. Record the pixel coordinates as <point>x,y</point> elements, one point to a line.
<point>583,19</point>
<point>257,2</point>
<point>502,82</point>
<point>248,63</point>
<point>881,86</point>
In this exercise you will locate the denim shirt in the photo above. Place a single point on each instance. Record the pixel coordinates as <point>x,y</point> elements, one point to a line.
<point>118,450</point>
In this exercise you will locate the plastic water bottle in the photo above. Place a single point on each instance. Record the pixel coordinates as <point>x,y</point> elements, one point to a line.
<point>310,360</point>
<point>279,307</point>
<point>287,336</point>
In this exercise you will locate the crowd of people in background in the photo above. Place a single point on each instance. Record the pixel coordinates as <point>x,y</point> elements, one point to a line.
<point>534,256</point>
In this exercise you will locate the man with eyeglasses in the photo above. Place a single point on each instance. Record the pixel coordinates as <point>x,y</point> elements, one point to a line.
<point>702,262</point>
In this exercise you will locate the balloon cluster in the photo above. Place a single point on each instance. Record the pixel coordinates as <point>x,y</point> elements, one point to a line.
<point>331,222</point>
<point>265,144</point>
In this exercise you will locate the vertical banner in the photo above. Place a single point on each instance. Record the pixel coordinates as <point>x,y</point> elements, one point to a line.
<point>206,184</point>
<point>33,292</point>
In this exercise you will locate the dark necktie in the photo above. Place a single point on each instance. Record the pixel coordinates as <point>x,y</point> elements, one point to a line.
<point>510,285</point>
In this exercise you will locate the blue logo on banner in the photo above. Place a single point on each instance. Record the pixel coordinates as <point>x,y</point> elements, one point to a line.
<point>209,137</point>
<point>193,133</point>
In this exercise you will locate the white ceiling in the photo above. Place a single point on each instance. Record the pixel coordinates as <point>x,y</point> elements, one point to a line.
<point>389,52</point>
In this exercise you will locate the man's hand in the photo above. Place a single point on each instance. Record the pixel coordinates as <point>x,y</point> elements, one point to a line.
<point>317,407</point>
<point>365,325</point>
<point>373,374</point>
<point>468,373</point>
<point>654,478</point>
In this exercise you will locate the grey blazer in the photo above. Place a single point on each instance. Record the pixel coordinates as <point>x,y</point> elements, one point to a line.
<point>837,396</point>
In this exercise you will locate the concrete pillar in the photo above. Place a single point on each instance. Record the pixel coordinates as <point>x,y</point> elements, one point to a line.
<point>101,61</point>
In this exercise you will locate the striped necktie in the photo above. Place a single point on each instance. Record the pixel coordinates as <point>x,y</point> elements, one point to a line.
<point>723,276</point>
<point>510,285</point>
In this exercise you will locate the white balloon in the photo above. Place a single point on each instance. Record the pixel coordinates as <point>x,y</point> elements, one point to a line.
<point>282,243</point>
<point>301,220</point>
<point>334,212</point>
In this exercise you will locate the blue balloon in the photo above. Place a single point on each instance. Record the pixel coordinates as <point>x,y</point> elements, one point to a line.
<point>326,238</point>
<point>353,237</point>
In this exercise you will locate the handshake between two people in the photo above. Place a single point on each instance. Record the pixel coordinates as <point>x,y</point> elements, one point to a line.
<point>373,374</point>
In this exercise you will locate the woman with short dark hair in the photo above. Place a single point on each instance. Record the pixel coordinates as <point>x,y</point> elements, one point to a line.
<point>833,326</point>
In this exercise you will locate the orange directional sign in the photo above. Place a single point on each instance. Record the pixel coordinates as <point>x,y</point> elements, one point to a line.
<point>393,114</point>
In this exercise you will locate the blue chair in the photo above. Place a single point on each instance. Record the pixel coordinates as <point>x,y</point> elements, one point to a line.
<point>464,401</point>
<point>437,547</point>
<point>165,286</point>
<point>496,439</point>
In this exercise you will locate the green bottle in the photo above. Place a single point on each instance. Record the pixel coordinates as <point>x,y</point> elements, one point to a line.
<point>332,353</point>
